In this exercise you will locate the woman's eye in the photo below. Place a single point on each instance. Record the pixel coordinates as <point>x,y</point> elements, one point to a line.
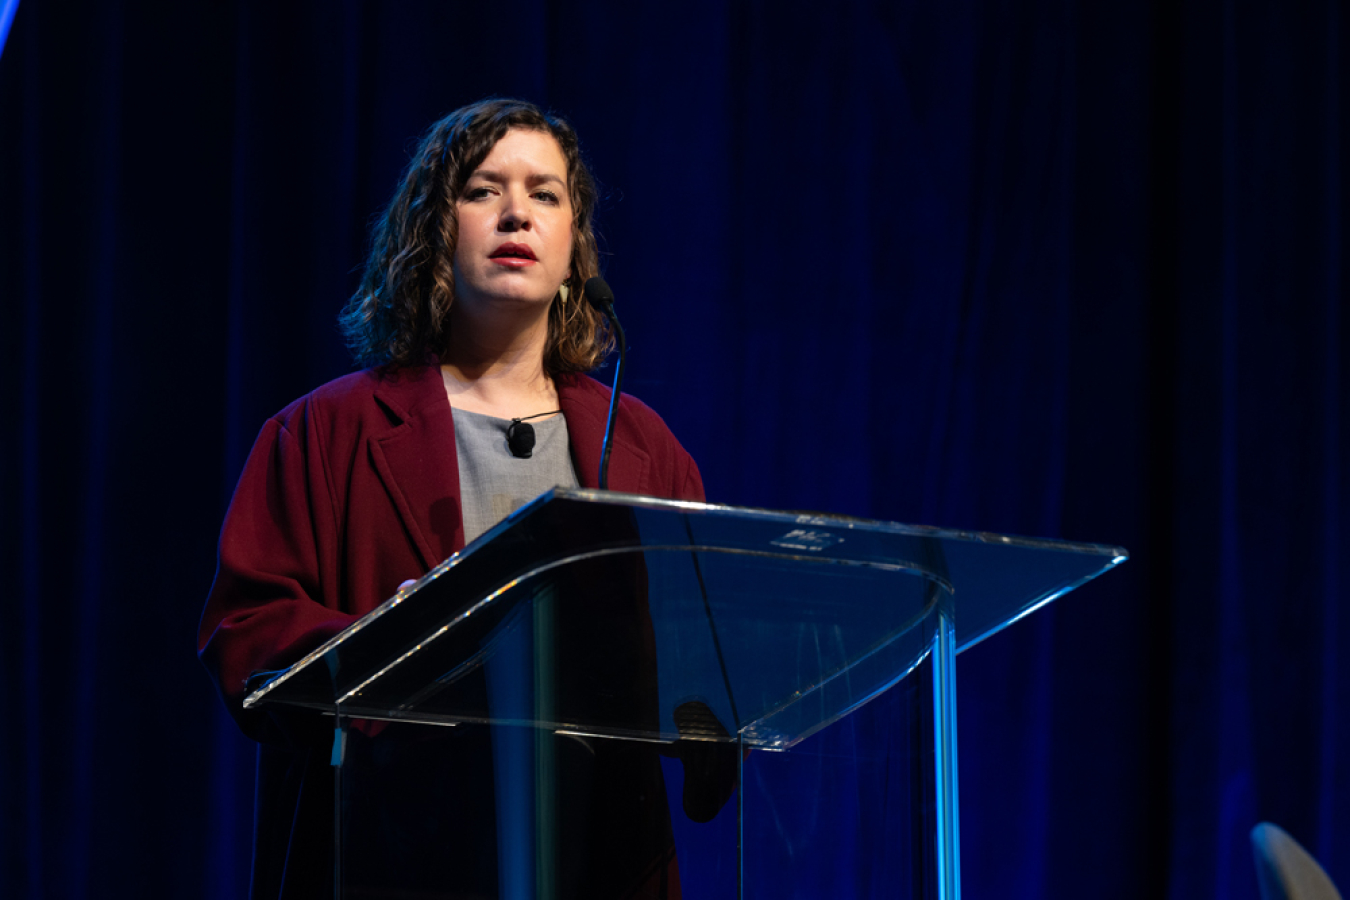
<point>477,193</point>
<point>546,196</point>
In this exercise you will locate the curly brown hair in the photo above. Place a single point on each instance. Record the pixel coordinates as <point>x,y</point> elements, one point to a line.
<point>399,314</point>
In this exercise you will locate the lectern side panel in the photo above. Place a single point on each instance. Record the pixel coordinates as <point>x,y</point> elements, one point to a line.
<point>494,811</point>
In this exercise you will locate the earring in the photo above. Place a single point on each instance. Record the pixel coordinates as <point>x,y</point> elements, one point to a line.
<point>563,291</point>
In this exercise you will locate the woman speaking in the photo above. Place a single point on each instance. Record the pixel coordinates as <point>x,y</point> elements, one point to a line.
<point>469,319</point>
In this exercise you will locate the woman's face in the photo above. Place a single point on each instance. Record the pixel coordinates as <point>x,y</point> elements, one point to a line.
<point>515,224</point>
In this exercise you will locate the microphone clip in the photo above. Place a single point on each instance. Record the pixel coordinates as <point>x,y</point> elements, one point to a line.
<point>520,435</point>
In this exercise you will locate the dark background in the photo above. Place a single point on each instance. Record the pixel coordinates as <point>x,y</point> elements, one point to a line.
<point>1048,268</point>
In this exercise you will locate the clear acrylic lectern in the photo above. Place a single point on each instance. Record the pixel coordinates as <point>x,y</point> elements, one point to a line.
<point>607,683</point>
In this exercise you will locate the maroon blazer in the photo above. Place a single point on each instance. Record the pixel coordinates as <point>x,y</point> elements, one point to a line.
<point>348,492</point>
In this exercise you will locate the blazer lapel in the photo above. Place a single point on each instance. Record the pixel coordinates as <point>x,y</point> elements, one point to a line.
<point>417,463</point>
<point>585,406</point>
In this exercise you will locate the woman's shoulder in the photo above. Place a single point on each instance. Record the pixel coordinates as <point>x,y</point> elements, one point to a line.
<point>644,446</point>
<point>347,411</point>
<point>584,391</point>
<point>385,390</point>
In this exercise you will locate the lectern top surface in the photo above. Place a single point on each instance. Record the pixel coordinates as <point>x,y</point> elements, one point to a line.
<point>610,613</point>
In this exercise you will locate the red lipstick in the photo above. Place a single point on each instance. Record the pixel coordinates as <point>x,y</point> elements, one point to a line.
<point>511,252</point>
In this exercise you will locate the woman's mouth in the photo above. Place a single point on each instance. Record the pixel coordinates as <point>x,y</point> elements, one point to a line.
<point>513,255</point>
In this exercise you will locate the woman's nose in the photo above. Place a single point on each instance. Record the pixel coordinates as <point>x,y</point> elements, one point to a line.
<point>515,213</point>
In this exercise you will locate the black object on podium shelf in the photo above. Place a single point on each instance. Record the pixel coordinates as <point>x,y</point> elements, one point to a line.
<point>606,680</point>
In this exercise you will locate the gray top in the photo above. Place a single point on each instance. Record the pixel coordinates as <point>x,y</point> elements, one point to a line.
<point>493,483</point>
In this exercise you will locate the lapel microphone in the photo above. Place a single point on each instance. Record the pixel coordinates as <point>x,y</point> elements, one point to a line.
<point>602,298</point>
<point>520,435</point>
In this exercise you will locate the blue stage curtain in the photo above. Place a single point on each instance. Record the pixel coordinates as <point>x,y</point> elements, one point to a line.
<point>1050,268</point>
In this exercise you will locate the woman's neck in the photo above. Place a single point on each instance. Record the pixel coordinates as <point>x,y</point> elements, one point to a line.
<point>502,375</point>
